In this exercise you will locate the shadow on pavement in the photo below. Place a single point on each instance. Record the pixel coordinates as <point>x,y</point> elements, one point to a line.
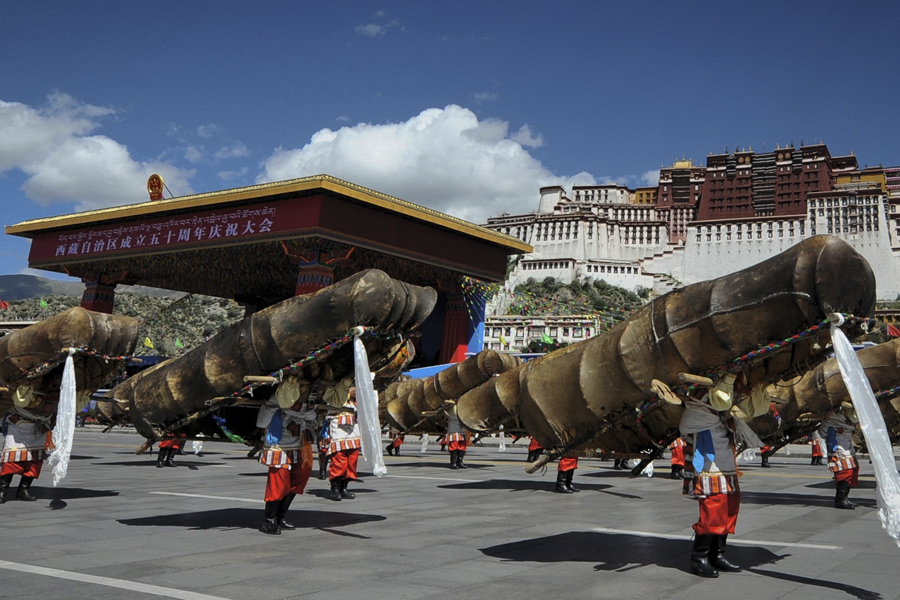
<point>864,484</point>
<point>438,465</point>
<point>617,473</point>
<point>618,551</point>
<point>852,590</point>
<point>67,493</point>
<point>784,499</point>
<point>251,518</point>
<point>151,463</point>
<point>326,493</point>
<point>623,552</point>
<point>534,485</point>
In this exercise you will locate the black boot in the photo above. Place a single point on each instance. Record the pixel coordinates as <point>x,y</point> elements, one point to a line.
<point>569,485</point>
<point>161,458</point>
<point>270,525</point>
<point>619,464</point>
<point>344,492</point>
<point>453,455</point>
<point>676,472</point>
<point>765,461</point>
<point>700,557</point>
<point>561,487</point>
<point>5,480</point>
<point>717,555</point>
<point>335,489</point>
<point>459,459</point>
<point>390,450</point>
<point>323,467</point>
<point>22,493</point>
<point>283,506</point>
<point>840,496</point>
<point>170,458</point>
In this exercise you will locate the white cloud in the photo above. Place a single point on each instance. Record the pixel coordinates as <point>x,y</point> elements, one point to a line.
<point>650,177</point>
<point>526,138</point>
<point>229,176</point>
<point>370,30</point>
<point>377,29</point>
<point>64,164</point>
<point>196,144</point>
<point>235,150</point>
<point>442,158</point>
<point>482,97</point>
<point>194,154</point>
<point>209,130</point>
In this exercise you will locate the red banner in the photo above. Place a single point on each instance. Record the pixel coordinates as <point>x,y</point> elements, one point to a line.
<point>203,228</point>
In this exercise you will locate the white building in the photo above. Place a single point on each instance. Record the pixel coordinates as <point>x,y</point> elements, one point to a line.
<point>513,333</point>
<point>602,233</point>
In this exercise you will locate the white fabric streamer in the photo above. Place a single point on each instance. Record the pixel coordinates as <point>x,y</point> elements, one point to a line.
<point>648,470</point>
<point>367,407</point>
<point>874,431</point>
<point>424,439</point>
<point>502,447</point>
<point>64,431</point>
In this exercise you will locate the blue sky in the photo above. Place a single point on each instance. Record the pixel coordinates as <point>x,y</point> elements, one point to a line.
<point>465,107</point>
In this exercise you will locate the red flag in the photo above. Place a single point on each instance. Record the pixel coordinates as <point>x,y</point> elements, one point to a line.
<point>4,305</point>
<point>893,331</point>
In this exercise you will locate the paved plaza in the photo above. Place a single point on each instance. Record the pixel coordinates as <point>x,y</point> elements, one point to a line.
<point>119,528</point>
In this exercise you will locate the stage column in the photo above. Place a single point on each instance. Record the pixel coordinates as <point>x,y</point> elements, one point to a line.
<point>477,309</point>
<point>313,276</point>
<point>455,337</point>
<point>99,294</point>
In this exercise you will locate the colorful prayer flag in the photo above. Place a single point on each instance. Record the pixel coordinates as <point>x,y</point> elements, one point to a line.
<point>893,331</point>
<point>503,340</point>
<point>4,304</point>
<point>43,303</point>
<point>147,342</point>
<point>546,339</point>
<point>178,343</point>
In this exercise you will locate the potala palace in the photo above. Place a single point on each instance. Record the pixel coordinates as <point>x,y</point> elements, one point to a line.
<point>703,222</point>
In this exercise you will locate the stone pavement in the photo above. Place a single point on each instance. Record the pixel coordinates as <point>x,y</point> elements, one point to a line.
<point>118,527</point>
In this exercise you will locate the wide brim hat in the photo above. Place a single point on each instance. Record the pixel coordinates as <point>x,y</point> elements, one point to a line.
<point>850,411</point>
<point>289,391</point>
<point>23,396</point>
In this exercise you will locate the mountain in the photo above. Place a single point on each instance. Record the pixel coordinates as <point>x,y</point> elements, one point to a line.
<point>22,287</point>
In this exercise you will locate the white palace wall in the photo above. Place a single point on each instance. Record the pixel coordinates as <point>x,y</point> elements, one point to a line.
<point>627,246</point>
<point>705,257</point>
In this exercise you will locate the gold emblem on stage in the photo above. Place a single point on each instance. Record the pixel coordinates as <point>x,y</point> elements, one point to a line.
<point>155,187</point>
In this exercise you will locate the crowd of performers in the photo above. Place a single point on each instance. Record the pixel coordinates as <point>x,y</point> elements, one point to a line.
<point>296,420</point>
<point>705,457</point>
<point>293,427</point>
<point>27,428</point>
